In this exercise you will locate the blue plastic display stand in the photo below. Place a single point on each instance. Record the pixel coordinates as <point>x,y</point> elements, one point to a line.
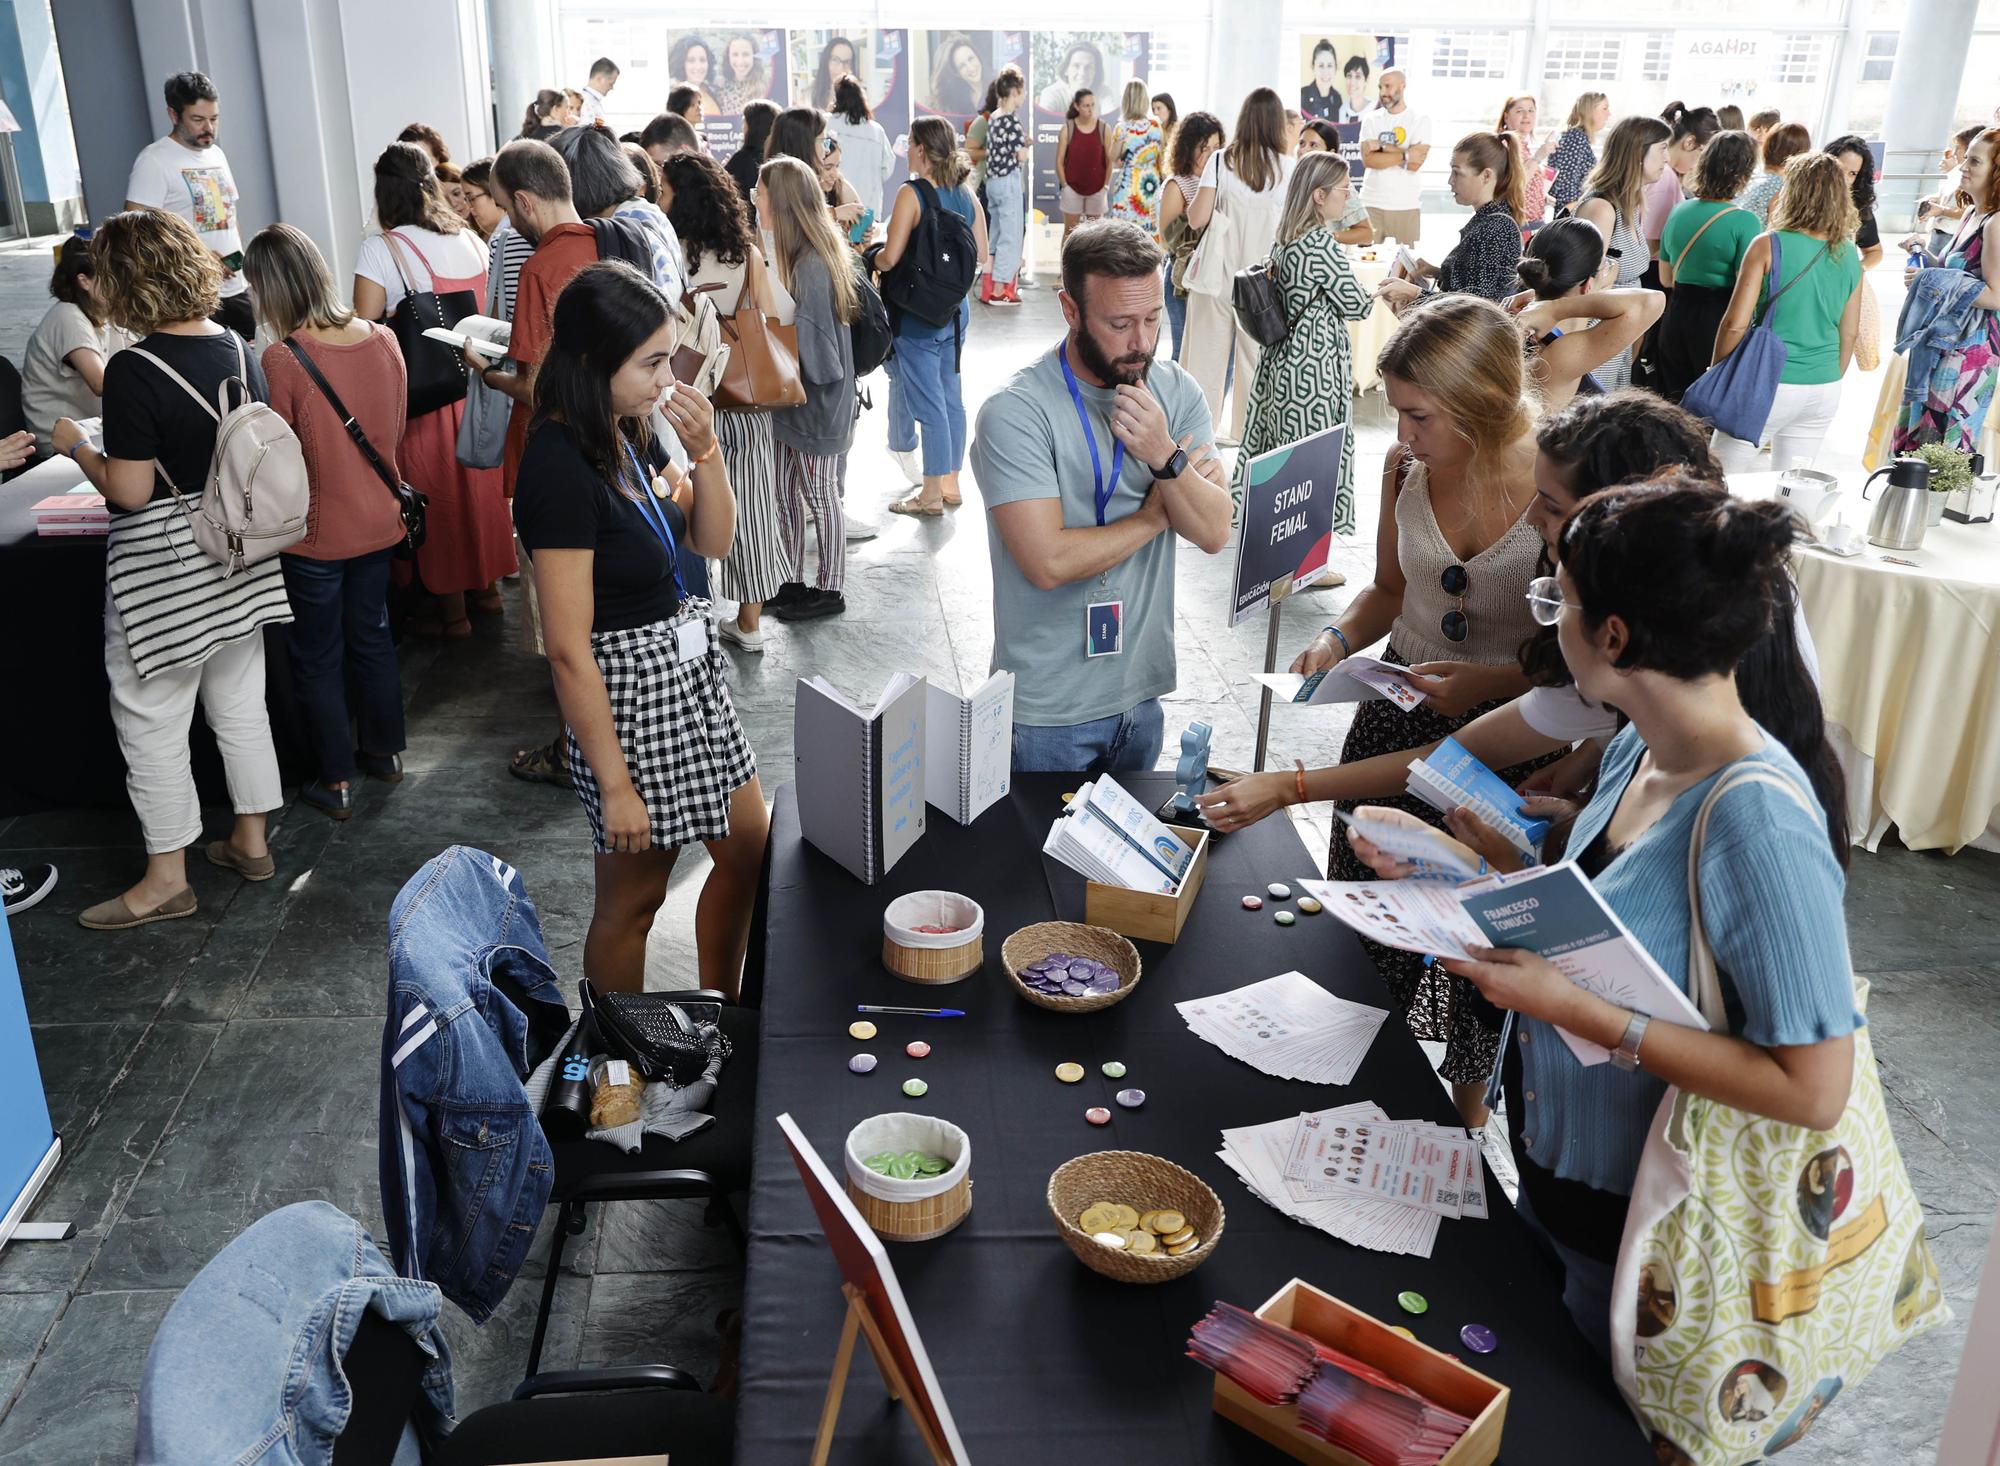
<point>29,1145</point>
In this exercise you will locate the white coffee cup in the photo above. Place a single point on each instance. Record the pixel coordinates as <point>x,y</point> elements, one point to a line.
<point>1841,537</point>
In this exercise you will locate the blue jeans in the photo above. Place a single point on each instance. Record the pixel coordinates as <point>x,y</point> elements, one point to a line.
<point>340,626</point>
<point>928,377</point>
<point>902,426</point>
<point>1123,743</point>
<point>1176,307</point>
<point>1006,218</point>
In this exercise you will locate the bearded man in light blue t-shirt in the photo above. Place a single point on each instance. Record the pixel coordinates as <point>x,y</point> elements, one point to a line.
<point>1093,461</point>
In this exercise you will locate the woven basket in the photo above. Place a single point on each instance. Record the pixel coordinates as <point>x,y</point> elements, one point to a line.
<point>1145,1183</point>
<point>915,1210</point>
<point>1032,943</point>
<point>927,957</point>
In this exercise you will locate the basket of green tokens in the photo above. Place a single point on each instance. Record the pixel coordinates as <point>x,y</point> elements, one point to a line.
<point>909,1175</point>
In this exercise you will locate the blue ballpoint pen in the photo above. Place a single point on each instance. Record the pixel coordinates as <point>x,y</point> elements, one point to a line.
<point>910,1012</point>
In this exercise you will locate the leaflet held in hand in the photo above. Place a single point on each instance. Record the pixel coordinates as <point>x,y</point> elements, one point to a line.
<point>1451,778</point>
<point>1553,911</point>
<point>1353,679</point>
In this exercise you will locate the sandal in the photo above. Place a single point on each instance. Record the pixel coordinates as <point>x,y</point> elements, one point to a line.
<point>540,765</point>
<point>915,505</point>
<point>486,602</point>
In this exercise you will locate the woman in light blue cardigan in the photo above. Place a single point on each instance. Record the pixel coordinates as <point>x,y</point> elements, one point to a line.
<point>1664,587</point>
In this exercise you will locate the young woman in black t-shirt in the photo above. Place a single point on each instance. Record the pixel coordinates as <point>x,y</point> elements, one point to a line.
<point>655,750</point>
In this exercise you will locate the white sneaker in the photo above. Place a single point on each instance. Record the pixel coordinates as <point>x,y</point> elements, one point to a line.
<point>911,465</point>
<point>22,887</point>
<point>749,641</point>
<point>860,531</point>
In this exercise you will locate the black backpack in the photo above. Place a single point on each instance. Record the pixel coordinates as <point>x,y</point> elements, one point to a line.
<point>937,270</point>
<point>870,334</point>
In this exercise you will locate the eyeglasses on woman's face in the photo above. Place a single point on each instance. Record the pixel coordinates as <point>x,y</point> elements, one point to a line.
<point>1545,600</point>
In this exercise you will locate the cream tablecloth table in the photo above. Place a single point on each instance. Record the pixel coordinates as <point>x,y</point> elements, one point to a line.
<point>1367,338</point>
<point>1910,677</point>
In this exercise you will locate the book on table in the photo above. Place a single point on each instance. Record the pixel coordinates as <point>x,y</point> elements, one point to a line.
<point>861,774</point>
<point>1551,910</point>
<point>969,747</point>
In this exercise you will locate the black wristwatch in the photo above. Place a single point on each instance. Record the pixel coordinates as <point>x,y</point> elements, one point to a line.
<point>1174,467</point>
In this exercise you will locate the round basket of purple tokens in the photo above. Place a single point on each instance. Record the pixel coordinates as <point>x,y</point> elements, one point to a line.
<point>1068,967</point>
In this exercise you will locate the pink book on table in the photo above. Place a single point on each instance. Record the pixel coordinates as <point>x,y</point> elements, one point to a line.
<point>72,509</point>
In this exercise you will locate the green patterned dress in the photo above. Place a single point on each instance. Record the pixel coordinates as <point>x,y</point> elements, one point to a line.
<point>1306,384</point>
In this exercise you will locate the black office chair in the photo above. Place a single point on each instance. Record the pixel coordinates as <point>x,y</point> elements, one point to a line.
<point>636,1411</point>
<point>707,1166</point>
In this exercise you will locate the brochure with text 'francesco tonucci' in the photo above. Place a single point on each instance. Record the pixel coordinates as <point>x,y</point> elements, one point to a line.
<point>861,773</point>
<point>1551,910</point>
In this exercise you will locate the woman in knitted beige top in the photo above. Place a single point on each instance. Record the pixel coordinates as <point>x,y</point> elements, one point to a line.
<point>1455,551</point>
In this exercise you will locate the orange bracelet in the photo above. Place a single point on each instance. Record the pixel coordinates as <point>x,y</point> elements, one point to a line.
<point>1300,775</point>
<point>714,446</point>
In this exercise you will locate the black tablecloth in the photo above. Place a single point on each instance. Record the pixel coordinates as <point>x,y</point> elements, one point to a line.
<point>57,745</point>
<point>1038,1357</point>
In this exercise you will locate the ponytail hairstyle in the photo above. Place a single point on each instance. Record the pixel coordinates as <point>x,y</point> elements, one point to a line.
<point>1253,154</point>
<point>802,225</point>
<point>935,152</point>
<point>1498,152</point>
<point>1579,113</point>
<point>1727,164</point>
<point>1620,175</point>
<point>546,101</point>
<point>1076,105</point>
<point>1561,256</point>
<point>1702,581</point>
<point>1465,353</point>
<point>1699,123</point>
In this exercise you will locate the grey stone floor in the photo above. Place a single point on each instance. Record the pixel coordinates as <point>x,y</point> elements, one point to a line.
<point>209,1070</point>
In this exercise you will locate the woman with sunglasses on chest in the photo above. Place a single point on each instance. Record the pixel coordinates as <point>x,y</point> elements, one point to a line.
<point>655,750</point>
<point>1456,548</point>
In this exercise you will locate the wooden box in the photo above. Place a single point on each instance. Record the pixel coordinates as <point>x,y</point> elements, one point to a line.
<point>1437,1376</point>
<point>1148,916</point>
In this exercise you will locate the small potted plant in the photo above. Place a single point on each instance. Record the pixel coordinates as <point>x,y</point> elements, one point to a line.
<point>1951,470</point>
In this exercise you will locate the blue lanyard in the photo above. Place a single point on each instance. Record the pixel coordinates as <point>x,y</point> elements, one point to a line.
<point>1103,490</point>
<point>656,519</point>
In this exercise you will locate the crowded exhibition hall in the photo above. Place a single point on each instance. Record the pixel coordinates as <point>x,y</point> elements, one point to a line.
<point>652,649</point>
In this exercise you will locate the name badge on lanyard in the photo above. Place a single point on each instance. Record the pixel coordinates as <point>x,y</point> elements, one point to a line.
<point>1104,618</point>
<point>690,637</point>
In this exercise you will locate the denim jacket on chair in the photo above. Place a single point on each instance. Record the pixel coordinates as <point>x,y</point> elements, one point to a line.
<point>246,1368</point>
<point>473,1007</point>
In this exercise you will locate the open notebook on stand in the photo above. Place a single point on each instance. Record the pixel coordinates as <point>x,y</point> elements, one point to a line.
<point>861,773</point>
<point>969,747</point>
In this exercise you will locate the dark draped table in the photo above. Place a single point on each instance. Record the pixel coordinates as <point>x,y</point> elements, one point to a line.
<point>57,746</point>
<point>1038,1357</point>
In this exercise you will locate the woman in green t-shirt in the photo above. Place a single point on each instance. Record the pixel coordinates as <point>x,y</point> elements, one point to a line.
<point>1701,250</point>
<point>1814,306</point>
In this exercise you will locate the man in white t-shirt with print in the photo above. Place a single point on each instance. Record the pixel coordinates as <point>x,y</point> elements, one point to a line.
<point>185,173</point>
<point>1394,144</point>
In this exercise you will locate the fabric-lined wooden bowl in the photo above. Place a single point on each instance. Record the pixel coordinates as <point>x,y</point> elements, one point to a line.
<point>1144,1183</point>
<point>1031,944</point>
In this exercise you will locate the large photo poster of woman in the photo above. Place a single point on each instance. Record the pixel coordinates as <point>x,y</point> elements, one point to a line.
<point>1338,77</point>
<point>951,70</point>
<point>879,59</point>
<point>1066,62</point>
<point>726,66</point>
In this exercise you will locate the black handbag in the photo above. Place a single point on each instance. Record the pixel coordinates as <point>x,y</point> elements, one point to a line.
<point>668,1041</point>
<point>410,504</point>
<point>434,370</point>
<point>1260,304</point>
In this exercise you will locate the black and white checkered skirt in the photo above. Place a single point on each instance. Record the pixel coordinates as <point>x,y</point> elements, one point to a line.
<point>683,745</point>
